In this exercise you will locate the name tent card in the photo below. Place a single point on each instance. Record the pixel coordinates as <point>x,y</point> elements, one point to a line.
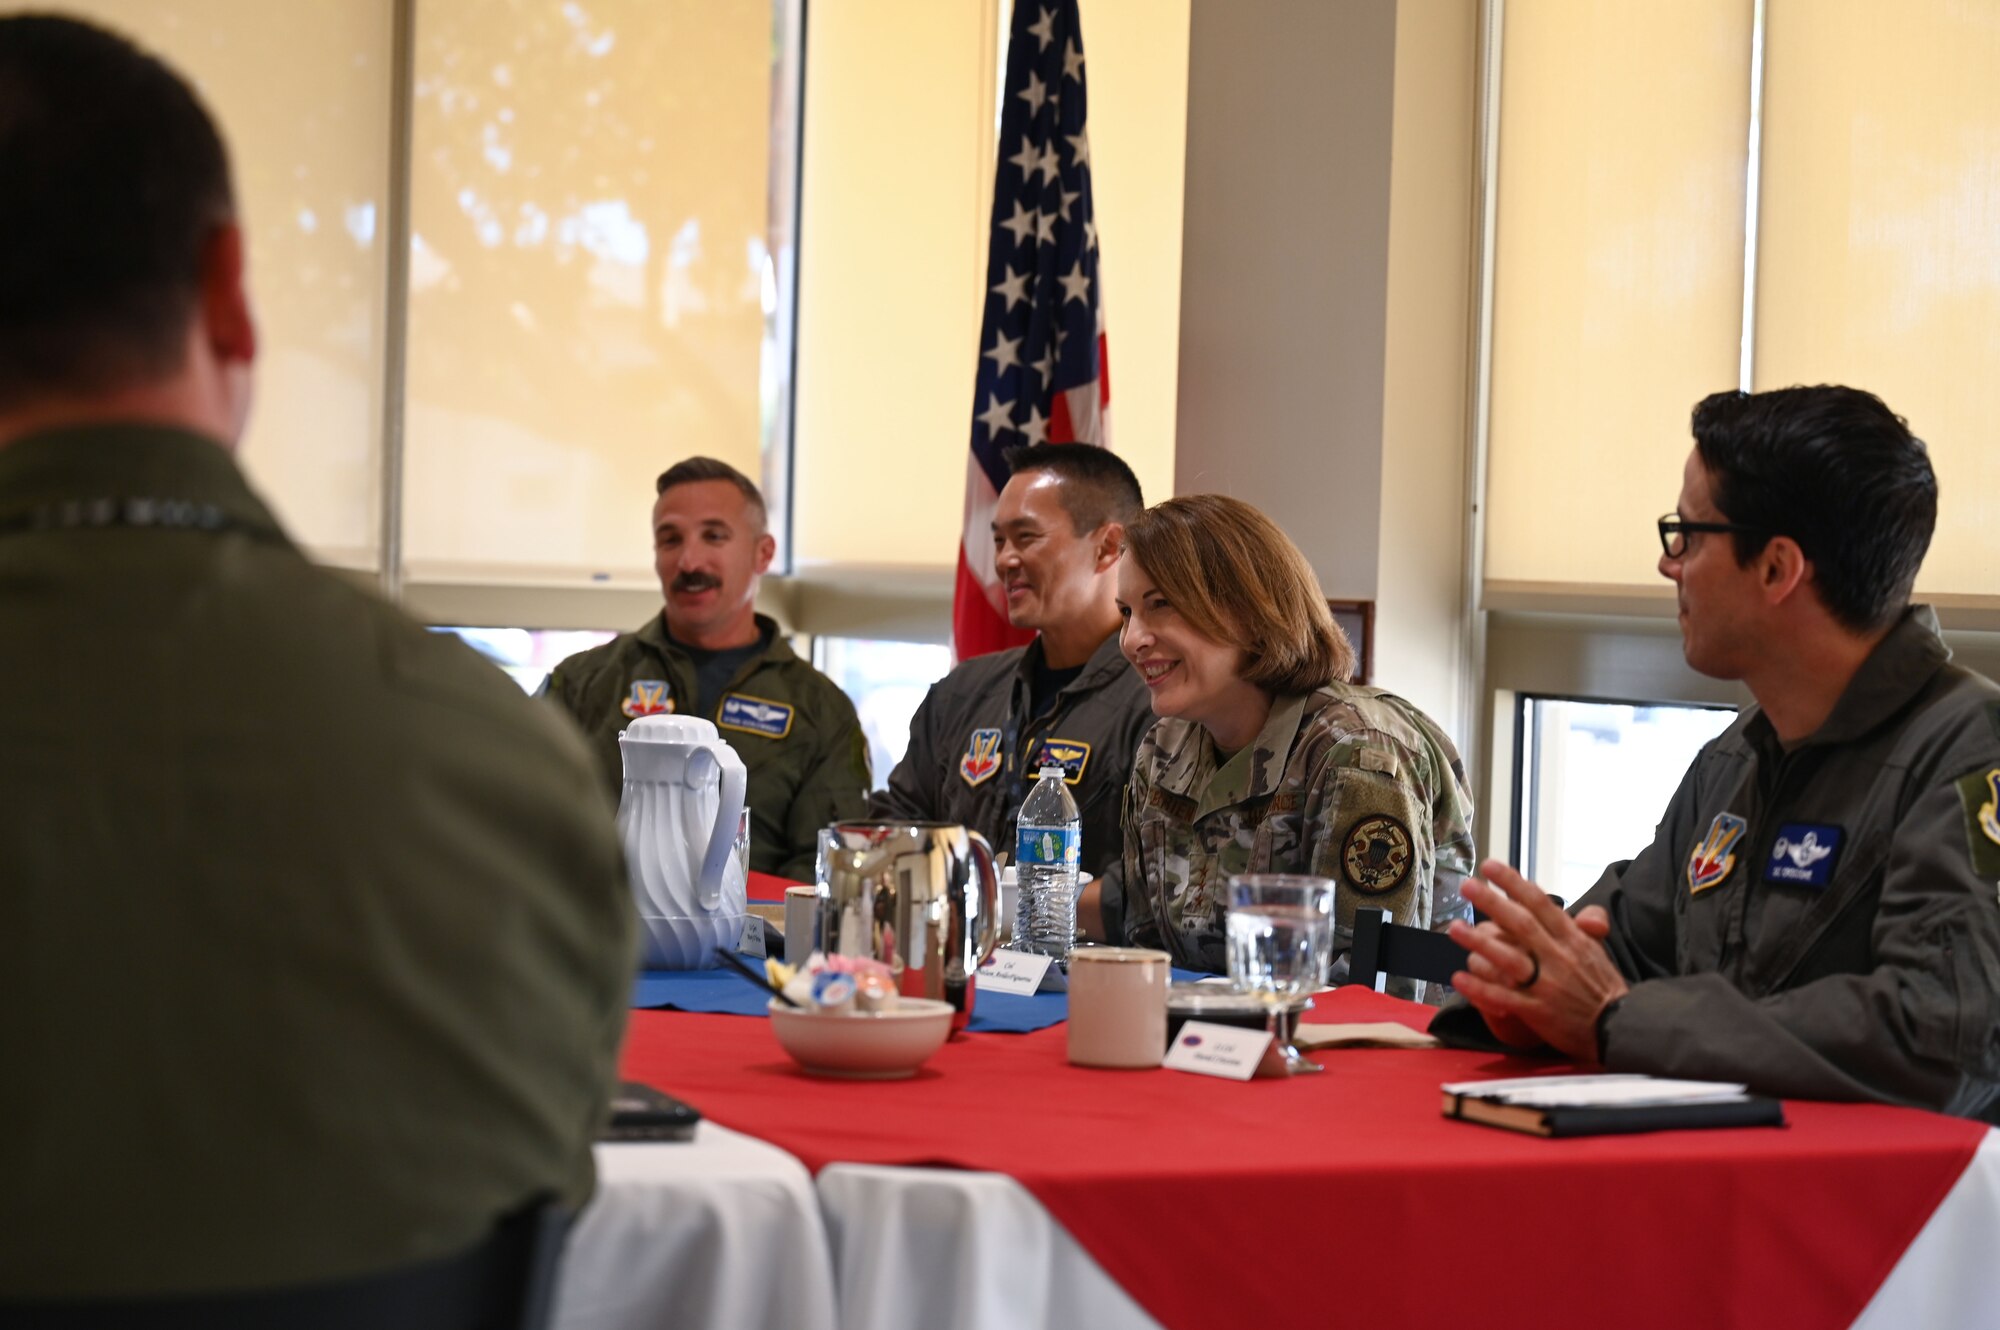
<point>1218,1050</point>
<point>1016,972</point>
<point>751,942</point>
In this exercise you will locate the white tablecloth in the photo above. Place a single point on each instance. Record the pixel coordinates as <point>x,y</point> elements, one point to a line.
<point>729,1234</point>
<point>722,1233</point>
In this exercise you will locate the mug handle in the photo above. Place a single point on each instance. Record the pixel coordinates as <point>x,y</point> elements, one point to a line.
<point>989,896</point>
<point>722,837</point>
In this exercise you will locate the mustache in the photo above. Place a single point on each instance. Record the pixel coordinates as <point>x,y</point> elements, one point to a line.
<point>696,582</point>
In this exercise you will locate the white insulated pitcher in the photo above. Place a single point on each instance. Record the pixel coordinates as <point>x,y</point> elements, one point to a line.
<point>678,815</point>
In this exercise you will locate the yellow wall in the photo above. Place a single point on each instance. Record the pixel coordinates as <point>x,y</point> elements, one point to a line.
<point>899,158</point>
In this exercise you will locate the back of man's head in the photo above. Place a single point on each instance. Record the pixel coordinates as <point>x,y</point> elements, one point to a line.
<point>694,469</point>
<point>1840,473</point>
<point>112,177</point>
<point>1097,486</point>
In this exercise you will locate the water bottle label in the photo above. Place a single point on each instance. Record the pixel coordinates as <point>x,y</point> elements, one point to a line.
<point>1048,845</point>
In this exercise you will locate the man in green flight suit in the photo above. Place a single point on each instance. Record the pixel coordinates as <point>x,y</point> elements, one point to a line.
<point>710,654</point>
<point>315,943</point>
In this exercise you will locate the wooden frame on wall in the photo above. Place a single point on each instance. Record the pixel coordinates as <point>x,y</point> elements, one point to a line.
<point>1357,619</point>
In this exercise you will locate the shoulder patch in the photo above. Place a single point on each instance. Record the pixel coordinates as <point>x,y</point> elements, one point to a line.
<point>649,697</point>
<point>982,757</point>
<point>1980,793</point>
<point>754,715</point>
<point>1072,755</point>
<point>1377,855</point>
<point>1713,859</point>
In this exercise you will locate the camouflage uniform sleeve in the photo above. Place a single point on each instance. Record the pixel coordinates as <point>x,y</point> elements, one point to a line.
<point>1369,829</point>
<point>835,788</point>
<point>1141,924</point>
<point>1456,854</point>
<point>913,789</point>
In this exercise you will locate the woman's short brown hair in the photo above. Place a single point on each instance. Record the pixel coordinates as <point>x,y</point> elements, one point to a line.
<point>1235,577</point>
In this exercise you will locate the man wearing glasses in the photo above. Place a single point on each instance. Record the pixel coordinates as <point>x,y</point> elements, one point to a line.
<point>1817,913</point>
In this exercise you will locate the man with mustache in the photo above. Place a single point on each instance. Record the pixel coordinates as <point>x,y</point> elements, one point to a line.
<point>710,654</point>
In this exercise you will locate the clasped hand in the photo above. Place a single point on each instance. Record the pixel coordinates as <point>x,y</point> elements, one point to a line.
<point>1537,975</point>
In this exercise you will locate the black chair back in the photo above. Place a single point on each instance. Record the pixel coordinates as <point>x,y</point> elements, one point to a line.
<point>1382,949</point>
<point>506,1282</point>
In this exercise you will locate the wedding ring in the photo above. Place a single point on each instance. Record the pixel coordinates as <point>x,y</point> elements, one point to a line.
<point>1534,973</point>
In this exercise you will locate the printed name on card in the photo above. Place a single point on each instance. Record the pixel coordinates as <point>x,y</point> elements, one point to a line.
<point>1217,1050</point>
<point>1016,972</point>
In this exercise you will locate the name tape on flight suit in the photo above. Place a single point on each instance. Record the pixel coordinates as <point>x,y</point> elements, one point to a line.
<point>754,715</point>
<point>1072,755</point>
<point>1804,854</point>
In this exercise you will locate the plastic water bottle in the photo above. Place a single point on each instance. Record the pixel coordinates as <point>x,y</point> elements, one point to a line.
<point>1048,842</point>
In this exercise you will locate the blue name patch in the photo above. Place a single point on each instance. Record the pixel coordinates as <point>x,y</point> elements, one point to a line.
<point>755,715</point>
<point>1072,755</point>
<point>1804,854</point>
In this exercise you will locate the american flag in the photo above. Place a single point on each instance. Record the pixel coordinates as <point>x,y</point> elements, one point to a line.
<point>1042,370</point>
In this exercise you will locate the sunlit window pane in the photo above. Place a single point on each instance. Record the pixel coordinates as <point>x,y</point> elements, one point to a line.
<point>1593,779</point>
<point>592,284</point>
<point>301,92</point>
<point>887,681</point>
<point>1624,132</point>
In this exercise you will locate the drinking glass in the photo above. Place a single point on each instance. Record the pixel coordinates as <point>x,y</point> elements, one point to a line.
<point>1280,930</point>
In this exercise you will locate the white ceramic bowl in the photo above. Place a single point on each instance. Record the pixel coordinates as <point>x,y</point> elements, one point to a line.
<point>868,1046</point>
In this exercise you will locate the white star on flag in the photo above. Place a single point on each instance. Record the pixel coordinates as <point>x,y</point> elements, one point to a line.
<point>1079,149</point>
<point>1045,228</point>
<point>997,417</point>
<point>1022,222</point>
<point>1014,287</point>
<point>1005,353</point>
<point>1076,284</point>
<point>1034,94</point>
<point>1027,158</point>
<point>1044,28</point>
<point>1073,63</point>
<point>1037,428</point>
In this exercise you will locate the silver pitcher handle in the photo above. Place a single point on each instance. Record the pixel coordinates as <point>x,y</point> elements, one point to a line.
<point>989,895</point>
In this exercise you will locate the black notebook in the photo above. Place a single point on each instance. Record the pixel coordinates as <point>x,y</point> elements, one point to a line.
<point>1607,1104</point>
<point>641,1113</point>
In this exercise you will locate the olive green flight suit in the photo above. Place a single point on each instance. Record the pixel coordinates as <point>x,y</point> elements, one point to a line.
<point>1346,782</point>
<point>792,726</point>
<point>315,943</point>
<point>1824,922</point>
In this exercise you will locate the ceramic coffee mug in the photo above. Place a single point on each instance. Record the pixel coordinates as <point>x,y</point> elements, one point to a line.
<point>1117,1007</point>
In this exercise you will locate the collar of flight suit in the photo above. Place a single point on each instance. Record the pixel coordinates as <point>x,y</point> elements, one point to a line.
<point>1899,667</point>
<point>1105,664</point>
<point>1252,772</point>
<point>655,635</point>
<point>127,461</point>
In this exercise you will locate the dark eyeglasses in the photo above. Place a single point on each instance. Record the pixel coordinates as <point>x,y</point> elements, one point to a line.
<point>1674,531</point>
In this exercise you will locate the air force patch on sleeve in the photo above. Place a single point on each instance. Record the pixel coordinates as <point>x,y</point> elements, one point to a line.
<point>754,715</point>
<point>649,697</point>
<point>982,757</point>
<point>1072,755</point>
<point>1804,855</point>
<point>1713,859</point>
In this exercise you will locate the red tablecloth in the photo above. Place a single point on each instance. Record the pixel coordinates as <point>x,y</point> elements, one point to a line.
<point>1283,1202</point>
<point>769,889</point>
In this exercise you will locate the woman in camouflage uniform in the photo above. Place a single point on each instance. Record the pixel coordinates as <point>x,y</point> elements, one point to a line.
<point>1265,759</point>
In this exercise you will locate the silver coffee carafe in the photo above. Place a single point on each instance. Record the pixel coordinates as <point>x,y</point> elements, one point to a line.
<point>921,897</point>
